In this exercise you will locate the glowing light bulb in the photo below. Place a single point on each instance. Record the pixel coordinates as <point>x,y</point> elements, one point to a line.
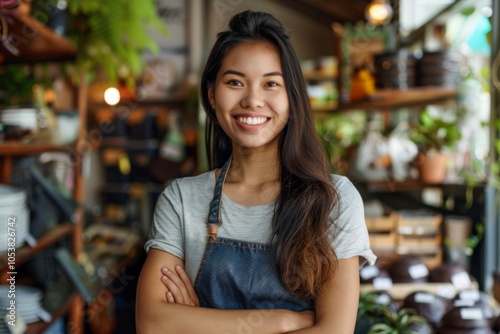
<point>378,12</point>
<point>112,96</point>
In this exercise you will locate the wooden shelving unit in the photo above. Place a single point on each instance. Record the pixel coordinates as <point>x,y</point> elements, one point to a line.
<point>24,253</point>
<point>34,41</point>
<point>393,99</point>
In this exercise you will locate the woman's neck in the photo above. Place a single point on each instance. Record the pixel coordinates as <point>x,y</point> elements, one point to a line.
<point>253,178</point>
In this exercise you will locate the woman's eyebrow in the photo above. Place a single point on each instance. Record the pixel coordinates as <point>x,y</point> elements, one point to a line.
<point>270,74</point>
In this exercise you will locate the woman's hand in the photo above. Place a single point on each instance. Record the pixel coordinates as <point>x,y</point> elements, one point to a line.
<point>180,288</point>
<point>299,320</point>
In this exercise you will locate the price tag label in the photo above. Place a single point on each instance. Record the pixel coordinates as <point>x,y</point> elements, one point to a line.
<point>368,272</point>
<point>446,291</point>
<point>470,295</point>
<point>424,298</point>
<point>382,283</point>
<point>383,299</point>
<point>461,280</point>
<point>464,302</point>
<point>418,271</point>
<point>471,313</point>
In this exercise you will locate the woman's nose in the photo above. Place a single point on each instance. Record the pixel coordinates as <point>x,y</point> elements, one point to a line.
<point>253,99</point>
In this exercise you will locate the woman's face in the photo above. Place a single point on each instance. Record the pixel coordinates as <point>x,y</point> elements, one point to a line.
<point>249,96</point>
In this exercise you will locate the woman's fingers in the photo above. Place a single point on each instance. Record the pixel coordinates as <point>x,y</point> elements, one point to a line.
<point>187,283</point>
<point>178,287</point>
<point>173,289</point>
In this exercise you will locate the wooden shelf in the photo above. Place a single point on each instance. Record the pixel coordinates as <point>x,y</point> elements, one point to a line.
<point>24,253</point>
<point>411,185</point>
<point>35,42</point>
<point>126,143</point>
<point>393,99</point>
<point>318,76</point>
<point>40,326</point>
<point>21,148</point>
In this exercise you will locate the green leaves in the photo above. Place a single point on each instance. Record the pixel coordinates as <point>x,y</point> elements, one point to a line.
<point>113,35</point>
<point>434,132</point>
<point>398,323</point>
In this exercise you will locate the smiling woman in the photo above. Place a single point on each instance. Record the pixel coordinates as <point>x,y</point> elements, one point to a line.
<point>251,103</point>
<point>268,227</point>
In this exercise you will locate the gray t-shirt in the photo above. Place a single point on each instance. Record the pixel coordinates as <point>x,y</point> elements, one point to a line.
<point>179,222</point>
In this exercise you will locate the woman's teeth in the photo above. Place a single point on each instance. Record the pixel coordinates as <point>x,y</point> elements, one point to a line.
<point>252,120</point>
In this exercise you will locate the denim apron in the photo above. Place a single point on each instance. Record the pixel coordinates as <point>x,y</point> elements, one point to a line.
<point>236,274</point>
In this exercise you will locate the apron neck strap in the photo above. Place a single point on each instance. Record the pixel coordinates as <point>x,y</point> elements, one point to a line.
<point>214,216</point>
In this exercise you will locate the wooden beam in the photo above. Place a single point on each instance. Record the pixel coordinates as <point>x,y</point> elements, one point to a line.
<point>313,13</point>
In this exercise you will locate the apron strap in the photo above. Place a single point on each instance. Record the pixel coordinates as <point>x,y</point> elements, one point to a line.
<point>214,216</point>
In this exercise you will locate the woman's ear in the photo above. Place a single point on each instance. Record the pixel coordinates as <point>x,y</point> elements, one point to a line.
<point>211,96</point>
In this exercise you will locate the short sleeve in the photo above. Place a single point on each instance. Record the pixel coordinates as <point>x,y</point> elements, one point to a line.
<point>167,231</point>
<point>350,235</point>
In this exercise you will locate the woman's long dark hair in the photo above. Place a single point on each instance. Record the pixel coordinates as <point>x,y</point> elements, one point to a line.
<point>301,234</point>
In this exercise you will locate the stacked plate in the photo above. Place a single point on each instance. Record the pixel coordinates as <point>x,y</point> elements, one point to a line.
<point>14,216</point>
<point>28,304</point>
<point>20,117</point>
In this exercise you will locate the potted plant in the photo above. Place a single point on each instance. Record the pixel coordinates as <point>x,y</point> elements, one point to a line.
<point>370,312</point>
<point>432,135</point>
<point>406,321</point>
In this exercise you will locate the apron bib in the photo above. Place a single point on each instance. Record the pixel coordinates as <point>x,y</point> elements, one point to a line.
<point>236,274</point>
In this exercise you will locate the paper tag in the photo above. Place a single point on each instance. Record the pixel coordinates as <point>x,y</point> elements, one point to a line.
<point>470,295</point>
<point>382,283</point>
<point>446,291</point>
<point>368,272</point>
<point>44,315</point>
<point>464,302</point>
<point>383,299</point>
<point>418,271</point>
<point>424,298</point>
<point>461,280</point>
<point>471,314</point>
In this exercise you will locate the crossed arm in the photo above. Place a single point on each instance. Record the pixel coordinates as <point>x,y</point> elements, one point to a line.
<point>167,303</point>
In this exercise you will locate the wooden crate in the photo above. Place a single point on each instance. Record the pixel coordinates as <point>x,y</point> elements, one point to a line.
<point>410,236</point>
<point>382,231</point>
<point>431,256</point>
<point>382,223</point>
<point>382,239</point>
<point>419,219</point>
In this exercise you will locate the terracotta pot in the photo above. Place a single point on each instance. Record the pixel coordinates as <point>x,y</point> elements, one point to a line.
<point>432,167</point>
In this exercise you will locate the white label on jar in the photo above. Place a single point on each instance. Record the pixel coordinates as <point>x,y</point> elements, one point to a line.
<point>382,283</point>
<point>424,298</point>
<point>470,295</point>
<point>461,280</point>
<point>418,271</point>
<point>368,272</point>
<point>471,314</point>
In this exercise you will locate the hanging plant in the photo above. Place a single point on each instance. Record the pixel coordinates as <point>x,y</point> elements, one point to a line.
<point>112,36</point>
